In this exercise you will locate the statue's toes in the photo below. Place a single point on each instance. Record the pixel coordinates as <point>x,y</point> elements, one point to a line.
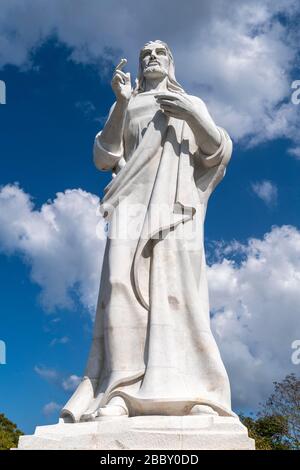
<point>112,410</point>
<point>202,410</point>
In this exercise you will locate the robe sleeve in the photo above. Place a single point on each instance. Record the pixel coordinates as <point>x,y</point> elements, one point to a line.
<point>103,159</point>
<point>209,161</point>
<point>210,169</point>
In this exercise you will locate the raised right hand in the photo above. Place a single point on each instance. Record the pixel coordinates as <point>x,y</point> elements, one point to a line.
<point>121,82</point>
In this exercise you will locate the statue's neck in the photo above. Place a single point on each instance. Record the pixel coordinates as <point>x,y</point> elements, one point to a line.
<point>156,84</point>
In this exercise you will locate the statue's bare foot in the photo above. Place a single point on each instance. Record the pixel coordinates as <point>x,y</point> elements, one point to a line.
<point>202,410</point>
<point>115,407</point>
<point>112,410</point>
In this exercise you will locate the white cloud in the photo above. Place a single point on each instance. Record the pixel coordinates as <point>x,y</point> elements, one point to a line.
<point>87,108</point>
<point>266,191</point>
<point>62,242</point>
<point>295,152</point>
<point>54,376</point>
<point>51,408</point>
<point>71,383</point>
<point>256,306</point>
<point>62,340</point>
<point>46,373</point>
<point>239,59</point>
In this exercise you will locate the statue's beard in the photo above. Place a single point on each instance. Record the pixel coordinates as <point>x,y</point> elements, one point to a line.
<point>156,70</point>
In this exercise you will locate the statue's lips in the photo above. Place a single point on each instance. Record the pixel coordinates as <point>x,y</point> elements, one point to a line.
<point>152,63</point>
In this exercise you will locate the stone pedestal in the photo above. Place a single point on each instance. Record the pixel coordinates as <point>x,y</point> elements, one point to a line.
<point>143,432</point>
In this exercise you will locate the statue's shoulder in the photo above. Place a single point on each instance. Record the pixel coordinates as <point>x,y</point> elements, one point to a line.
<point>198,101</point>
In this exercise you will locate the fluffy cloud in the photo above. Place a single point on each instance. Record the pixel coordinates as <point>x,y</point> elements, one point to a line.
<point>255,302</point>
<point>295,152</point>
<point>266,191</point>
<point>46,373</point>
<point>71,383</point>
<point>56,377</point>
<point>239,59</point>
<point>51,408</point>
<point>62,242</point>
<point>62,340</point>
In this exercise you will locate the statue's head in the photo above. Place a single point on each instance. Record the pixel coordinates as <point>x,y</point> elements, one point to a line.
<point>156,61</point>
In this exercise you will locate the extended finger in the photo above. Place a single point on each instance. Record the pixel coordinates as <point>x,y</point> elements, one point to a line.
<point>117,78</point>
<point>172,115</point>
<point>171,112</point>
<point>166,96</point>
<point>168,103</point>
<point>171,107</point>
<point>122,74</point>
<point>121,64</point>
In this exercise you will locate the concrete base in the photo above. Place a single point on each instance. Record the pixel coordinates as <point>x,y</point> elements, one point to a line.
<point>143,432</point>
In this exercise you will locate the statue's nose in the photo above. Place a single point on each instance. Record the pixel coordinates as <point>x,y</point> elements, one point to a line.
<point>153,55</point>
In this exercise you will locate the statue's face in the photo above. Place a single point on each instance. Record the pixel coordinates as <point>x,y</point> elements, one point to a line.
<point>155,60</point>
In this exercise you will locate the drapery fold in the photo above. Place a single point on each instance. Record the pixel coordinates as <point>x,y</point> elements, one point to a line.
<point>138,308</point>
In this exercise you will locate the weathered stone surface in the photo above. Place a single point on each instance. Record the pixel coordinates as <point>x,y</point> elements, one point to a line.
<point>144,432</point>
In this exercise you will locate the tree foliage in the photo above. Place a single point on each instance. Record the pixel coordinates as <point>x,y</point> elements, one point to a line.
<point>269,432</point>
<point>9,433</point>
<point>277,425</point>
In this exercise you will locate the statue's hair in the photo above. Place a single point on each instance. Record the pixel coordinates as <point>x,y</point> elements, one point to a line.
<point>172,84</point>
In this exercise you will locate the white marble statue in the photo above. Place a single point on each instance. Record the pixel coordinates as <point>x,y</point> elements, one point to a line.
<point>153,352</point>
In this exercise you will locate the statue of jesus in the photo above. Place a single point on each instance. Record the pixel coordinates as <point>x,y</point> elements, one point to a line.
<point>153,352</point>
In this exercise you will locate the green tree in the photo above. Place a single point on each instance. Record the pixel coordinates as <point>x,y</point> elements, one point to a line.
<point>269,432</point>
<point>285,401</point>
<point>277,424</point>
<point>9,433</point>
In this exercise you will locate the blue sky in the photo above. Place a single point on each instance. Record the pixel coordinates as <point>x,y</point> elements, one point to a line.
<point>57,76</point>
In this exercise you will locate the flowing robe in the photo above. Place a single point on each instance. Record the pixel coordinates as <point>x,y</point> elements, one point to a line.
<point>152,344</point>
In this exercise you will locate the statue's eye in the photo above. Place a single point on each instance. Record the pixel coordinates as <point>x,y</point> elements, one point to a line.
<point>161,52</point>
